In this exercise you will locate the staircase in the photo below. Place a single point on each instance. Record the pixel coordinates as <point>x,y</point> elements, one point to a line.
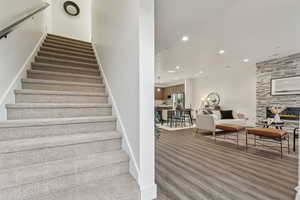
<point>60,140</point>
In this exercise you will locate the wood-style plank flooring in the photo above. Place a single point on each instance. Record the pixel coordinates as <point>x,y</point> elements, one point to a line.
<point>195,168</point>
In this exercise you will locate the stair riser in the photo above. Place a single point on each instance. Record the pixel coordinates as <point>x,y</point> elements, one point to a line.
<point>65,62</point>
<point>25,158</point>
<point>78,50</point>
<point>60,87</point>
<point>61,56</point>
<point>67,40</point>
<point>55,130</point>
<point>28,191</point>
<point>66,52</point>
<point>40,113</point>
<point>68,44</point>
<point>65,70</point>
<point>55,77</point>
<point>45,171</point>
<point>31,98</point>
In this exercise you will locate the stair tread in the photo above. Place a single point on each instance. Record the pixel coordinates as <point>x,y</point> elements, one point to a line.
<point>49,92</point>
<point>53,121</point>
<point>69,61</point>
<point>63,67</point>
<point>56,46</point>
<point>67,38</point>
<point>67,43</point>
<point>50,49</point>
<point>53,141</point>
<point>29,80</point>
<point>122,187</point>
<point>64,74</point>
<point>58,105</point>
<point>42,171</point>
<point>67,56</point>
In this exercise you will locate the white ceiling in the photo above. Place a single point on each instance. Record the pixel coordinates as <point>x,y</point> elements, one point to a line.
<point>255,29</point>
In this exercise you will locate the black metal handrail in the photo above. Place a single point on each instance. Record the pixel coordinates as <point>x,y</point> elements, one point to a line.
<point>8,29</point>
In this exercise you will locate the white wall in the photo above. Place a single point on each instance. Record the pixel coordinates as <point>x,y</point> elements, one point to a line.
<point>78,27</point>
<point>236,86</point>
<point>115,32</point>
<point>123,32</point>
<point>15,50</point>
<point>188,91</point>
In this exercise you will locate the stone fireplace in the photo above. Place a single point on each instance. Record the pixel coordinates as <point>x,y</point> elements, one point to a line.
<point>272,69</point>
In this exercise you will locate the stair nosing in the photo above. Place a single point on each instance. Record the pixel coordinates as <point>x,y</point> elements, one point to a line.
<point>80,54</point>
<point>65,93</point>
<point>64,74</point>
<point>55,46</point>
<point>67,38</point>
<point>69,61</point>
<point>39,64</point>
<point>41,142</point>
<point>70,44</point>
<point>68,56</point>
<point>54,121</point>
<point>56,105</point>
<point>53,82</point>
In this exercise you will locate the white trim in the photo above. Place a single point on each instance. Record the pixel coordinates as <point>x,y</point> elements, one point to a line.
<point>8,95</point>
<point>133,166</point>
<point>298,193</point>
<point>149,192</point>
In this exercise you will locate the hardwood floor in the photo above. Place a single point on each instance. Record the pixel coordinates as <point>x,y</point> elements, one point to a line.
<point>195,168</point>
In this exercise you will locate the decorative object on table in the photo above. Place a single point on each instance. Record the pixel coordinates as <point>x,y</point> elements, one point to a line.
<point>270,122</point>
<point>71,8</point>
<point>286,86</point>
<point>276,110</point>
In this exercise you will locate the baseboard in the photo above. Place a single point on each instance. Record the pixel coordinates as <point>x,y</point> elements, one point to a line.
<point>9,95</point>
<point>149,192</point>
<point>298,193</point>
<point>133,166</point>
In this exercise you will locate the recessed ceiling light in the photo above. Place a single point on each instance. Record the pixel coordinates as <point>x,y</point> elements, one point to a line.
<point>246,60</point>
<point>185,38</point>
<point>201,72</point>
<point>171,71</point>
<point>177,67</point>
<point>221,52</point>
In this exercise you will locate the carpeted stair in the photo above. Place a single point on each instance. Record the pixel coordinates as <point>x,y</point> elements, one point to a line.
<point>60,140</point>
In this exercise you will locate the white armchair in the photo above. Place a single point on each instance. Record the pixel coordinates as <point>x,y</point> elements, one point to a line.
<point>206,123</point>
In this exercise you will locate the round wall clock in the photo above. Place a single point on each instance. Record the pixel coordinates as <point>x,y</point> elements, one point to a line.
<point>213,99</point>
<point>71,8</point>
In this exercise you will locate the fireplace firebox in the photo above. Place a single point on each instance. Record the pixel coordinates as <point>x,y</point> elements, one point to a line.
<point>290,113</point>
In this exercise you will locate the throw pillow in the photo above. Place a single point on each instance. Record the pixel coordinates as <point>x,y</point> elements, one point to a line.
<point>217,114</point>
<point>226,114</point>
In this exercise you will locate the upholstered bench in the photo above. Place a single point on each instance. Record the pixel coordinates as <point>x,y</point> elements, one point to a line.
<point>231,128</point>
<point>269,133</point>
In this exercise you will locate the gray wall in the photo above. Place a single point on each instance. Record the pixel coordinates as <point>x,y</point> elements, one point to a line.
<point>276,68</point>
